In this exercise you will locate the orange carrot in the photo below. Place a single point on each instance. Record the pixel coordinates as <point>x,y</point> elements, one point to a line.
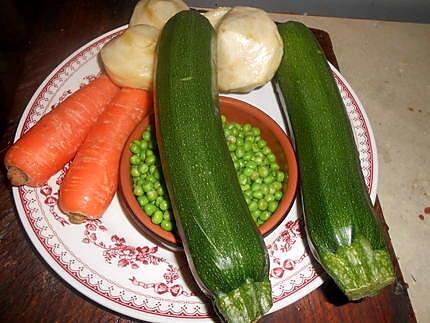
<point>54,140</point>
<point>92,179</point>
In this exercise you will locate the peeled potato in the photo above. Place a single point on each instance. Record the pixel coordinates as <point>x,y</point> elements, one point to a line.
<point>156,12</point>
<point>129,58</point>
<point>249,49</point>
<point>215,15</point>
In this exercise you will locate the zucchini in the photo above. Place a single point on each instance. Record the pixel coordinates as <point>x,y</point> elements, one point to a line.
<point>341,224</point>
<point>225,251</point>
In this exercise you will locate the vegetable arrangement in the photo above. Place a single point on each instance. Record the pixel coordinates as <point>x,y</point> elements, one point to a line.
<point>259,175</point>
<point>224,249</point>
<point>340,220</point>
<point>222,180</point>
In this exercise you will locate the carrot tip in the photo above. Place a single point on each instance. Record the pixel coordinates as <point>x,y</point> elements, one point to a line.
<point>16,176</point>
<point>77,218</point>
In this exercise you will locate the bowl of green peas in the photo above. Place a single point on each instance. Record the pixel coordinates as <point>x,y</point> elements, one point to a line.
<point>262,154</point>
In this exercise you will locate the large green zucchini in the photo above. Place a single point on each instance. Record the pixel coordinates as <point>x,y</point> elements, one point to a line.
<point>340,220</point>
<point>224,249</point>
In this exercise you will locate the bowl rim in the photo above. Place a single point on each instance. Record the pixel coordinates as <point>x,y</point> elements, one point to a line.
<point>169,239</point>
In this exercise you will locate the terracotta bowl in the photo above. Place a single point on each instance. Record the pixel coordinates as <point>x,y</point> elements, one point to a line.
<point>234,111</point>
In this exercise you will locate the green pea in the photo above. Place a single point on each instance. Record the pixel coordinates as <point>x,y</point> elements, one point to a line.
<point>135,160</point>
<point>150,160</point>
<point>272,206</point>
<point>143,145</point>
<point>240,152</point>
<point>150,209</point>
<point>276,185</point>
<point>263,171</point>
<point>142,155</point>
<point>280,177</point>
<point>149,152</point>
<point>147,187</point>
<point>157,217</point>
<point>264,216</point>
<point>231,139</point>
<point>255,148</point>
<point>166,225</point>
<point>250,139</point>
<point>258,160</point>
<point>261,143</point>
<point>232,147</point>
<point>264,189</point>
<point>256,214</point>
<point>166,215</point>
<point>160,190</point>
<point>257,194</point>
<point>223,119</point>
<point>152,169</point>
<point>256,132</point>
<point>239,142</point>
<point>247,156</point>
<point>158,200</point>
<point>230,126</point>
<point>247,193</point>
<point>134,171</point>
<point>142,200</point>
<point>269,179</point>
<point>278,195</point>
<point>274,166</point>
<point>236,165</point>
<point>246,127</point>
<point>254,175</point>
<point>265,150</point>
<point>143,168</point>
<point>247,200</point>
<point>251,164</point>
<point>247,171</point>
<point>151,195</point>
<point>255,187</point>
<point>271,157</point>
<point>259,222</point>
<point>164,205</point>
<point>135,147</point>
<point>243,179</point>
<point>262,205</point>
<point>259,180</point>
<point>272,189</point>
<point>156,174</point>
<point>269,197</point>
<point>253,206</point>
<point>146,135</point>
<point>245,187</point>
<point>247,146</point>
<point>138,191</point>
<point>150,178</point>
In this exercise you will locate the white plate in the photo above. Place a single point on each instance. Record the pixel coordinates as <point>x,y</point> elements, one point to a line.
<point>114,264</point>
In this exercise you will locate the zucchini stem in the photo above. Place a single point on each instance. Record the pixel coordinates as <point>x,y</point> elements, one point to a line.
<point>247,303</point>
<point>358,270</point>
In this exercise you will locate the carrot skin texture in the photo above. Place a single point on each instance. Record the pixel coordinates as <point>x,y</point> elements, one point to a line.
<point>54,139</point>
<point>92,179</point>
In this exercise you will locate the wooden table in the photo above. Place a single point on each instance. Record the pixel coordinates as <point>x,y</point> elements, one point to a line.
<point>35,38</point>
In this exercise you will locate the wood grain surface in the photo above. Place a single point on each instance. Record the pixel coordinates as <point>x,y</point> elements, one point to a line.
<point>35,38</point>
